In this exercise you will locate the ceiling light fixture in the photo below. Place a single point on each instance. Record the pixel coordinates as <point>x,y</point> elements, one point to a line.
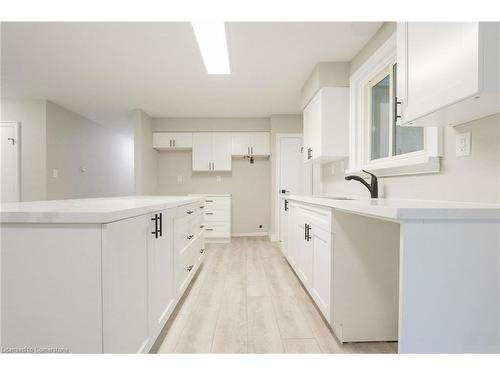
<point>211,37</point>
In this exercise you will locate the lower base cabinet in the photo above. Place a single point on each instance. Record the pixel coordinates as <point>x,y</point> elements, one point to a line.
<point>352,278</point>
<point>310,252</point>
<point>97,288</point>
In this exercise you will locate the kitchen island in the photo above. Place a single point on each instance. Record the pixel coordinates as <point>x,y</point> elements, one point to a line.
<point>424,273</point>
<point>95,275</point>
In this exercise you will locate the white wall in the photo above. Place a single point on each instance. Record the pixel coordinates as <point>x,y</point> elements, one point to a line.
<point>145,156</point>
<point>32,117</point>
<point>249,184</point>
<point>75,142</point>
<point>475,178</point>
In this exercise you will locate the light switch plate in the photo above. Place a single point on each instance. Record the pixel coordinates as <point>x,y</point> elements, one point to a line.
<point>219,179</point>
<point>55,173</point>
<point>463,144</point>
<point>179,178</point>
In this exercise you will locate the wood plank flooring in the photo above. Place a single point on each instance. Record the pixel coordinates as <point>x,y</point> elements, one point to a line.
<point>246,299</point>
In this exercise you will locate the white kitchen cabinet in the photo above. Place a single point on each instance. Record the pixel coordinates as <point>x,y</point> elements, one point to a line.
<point>189,245</point>
<point>125,285</point>
<point>326,125</point>
<point>321,281</point>
<point>170,141</point>
<point>211,152</point>
<point>284,223</point>
<point>304,254</point>
<point>251,143</point>
<point>99,287</point>
<point>310,252</point>
<point>217,218</point>
<point>161,270</point>
<point>447,72</point>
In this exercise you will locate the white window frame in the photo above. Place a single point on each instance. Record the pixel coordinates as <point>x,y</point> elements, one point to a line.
<point>423,161</point>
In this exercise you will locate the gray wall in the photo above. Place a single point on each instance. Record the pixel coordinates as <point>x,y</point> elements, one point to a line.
<point>74,141</point>
<point>249,184</point>
<point>31,115</point>
<point>475,178</point>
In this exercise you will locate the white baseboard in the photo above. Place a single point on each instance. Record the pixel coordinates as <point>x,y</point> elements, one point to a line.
<point>255,234</point>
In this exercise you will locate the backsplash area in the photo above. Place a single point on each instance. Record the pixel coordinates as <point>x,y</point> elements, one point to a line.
<point>474,178</point>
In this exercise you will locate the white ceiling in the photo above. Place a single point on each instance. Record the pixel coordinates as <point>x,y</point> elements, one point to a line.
<point>103,70</point>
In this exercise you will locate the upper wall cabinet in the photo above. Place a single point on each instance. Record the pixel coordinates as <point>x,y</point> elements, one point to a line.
<point>166,141</point>
<point>212,152</point>
<point>255,144</point>
<point>326,125</point>
<point>447,72</point>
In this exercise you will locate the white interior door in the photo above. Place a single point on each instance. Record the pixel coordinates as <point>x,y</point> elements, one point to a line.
<point>9,172</point>
<point>289,171</point>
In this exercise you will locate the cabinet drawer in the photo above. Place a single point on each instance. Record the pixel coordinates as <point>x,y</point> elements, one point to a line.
<point>188,210</point>
<point>184,232</point>
<point>216,230</point>
<point>217,202</point>
<point>316,216</point>
<point>216,215</point>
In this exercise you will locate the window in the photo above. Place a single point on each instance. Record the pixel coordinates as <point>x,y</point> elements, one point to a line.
<point>376,143</point>
<point>386,138</point>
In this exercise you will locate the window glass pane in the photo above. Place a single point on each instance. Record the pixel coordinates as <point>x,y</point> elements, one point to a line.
<point>380,119</point>
<point>405,139</point>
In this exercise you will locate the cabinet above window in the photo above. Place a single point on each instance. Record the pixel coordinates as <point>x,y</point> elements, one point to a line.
<point>448,72</point>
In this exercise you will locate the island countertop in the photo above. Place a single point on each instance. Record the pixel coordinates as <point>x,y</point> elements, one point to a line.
<point>406,209</point>
<point>91,210</point>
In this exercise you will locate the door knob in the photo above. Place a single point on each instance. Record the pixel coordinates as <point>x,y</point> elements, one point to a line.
<point>283,191</point>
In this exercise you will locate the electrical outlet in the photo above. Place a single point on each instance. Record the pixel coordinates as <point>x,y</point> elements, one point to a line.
<point>218,178</point>
<point>55,173</point>
<point>463,144</point>
<point>179,178</point>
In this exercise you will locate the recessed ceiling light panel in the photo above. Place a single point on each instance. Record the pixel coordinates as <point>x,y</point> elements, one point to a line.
<point>211,37</point>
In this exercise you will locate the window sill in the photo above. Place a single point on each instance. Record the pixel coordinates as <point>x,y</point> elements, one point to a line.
<point>400,167</point>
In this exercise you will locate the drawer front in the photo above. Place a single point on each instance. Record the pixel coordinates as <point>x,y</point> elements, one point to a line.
<point>216,214</point>
<point>185,264</point>
<point>188,210</point>
<point>316,216</point>
<point>214,230</point>
<point>217,202</point>
<point>185,231</point>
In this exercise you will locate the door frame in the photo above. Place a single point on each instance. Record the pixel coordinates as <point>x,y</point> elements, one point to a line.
<point>17,150</point>
<point>279,136</point>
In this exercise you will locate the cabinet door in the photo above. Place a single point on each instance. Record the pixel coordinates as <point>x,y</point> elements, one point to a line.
<point>240,144</point>
<point>182,140</point>
<point>259,143</point>
<point>303,254</point>
<point>221,151</point>
<point>322,269</point>
<point>125,285</point>
<point>161,270</point>
<point>162,140</point>
<point>441,65</point>
<point>202,151</point>
<point>312,127</point>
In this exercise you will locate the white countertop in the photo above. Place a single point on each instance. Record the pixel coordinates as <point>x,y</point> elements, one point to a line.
<point>92,210</point>
<point>407,209</point>
<point>209,195</point>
